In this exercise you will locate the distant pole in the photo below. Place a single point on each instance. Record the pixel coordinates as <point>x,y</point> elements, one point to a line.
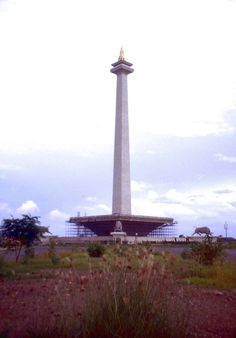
<point>226,229</point>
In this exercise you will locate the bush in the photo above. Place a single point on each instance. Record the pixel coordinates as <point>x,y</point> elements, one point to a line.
<point>95,250</point>
<point>55,259</point>
<point>29,253</point>
<point>207,251</point>
<point>129,296</point>
<point>135,300</point>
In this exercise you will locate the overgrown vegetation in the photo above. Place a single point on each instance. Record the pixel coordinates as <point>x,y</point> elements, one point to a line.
<point>55,259</point>
<point>16,233</point>
<point>96,250</point>
<point>129,292</point>
<point>188,269</point>
<point>205,252</point>
<point>130,296</point>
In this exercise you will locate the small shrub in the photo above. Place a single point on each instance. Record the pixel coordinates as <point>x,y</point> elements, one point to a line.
<point>55,259</point>
<point>207,251</point>
<point>187,254</point>
<point>95,250</point>
<point>29,253</point>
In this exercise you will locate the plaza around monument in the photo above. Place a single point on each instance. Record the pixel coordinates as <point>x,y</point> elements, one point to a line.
<point>122,220</point>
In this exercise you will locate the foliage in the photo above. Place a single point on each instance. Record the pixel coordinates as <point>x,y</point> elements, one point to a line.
<point>19,232</point>
<point>136,294</point>
<point>205,252</point>
<point>55,259</point>
<point>133,296</point>
<point>128,296</point>
<point>216,276</point>
<point>95,250</point>
<point>187,254</point>
<point>29,253</point>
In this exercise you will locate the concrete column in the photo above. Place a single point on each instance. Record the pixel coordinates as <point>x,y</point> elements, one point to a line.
<point>121,202</point>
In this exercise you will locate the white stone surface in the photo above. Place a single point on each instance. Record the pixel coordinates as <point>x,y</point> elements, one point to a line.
<point>121,201</point>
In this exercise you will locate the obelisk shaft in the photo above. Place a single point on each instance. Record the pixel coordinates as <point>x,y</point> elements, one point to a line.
<point>121,202</point>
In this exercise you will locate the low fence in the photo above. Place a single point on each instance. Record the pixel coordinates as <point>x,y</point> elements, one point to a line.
<point>125,239</point>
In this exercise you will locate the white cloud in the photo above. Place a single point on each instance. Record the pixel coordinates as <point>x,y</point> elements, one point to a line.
<point>58,215</point>
<point>190,86</point>
<point>10,167</point>
<point>204,203</point>
<point>150,152</point>
<point>28,207</point>
<point>189,205</point>
<point>182,98</point>
<point>144,206</point>
<point>224,158</point>
<point>4,208</point>
<point>104,207</point>
<point>138,186</point>
<point>183,128</point>
<point>94,209</point>
<point>152,195</point>
<point>91,199</point>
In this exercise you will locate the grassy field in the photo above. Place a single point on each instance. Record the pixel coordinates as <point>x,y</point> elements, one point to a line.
<point>130,291</point>
<point>222,274</point>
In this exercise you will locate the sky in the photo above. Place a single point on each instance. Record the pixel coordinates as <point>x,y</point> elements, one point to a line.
<point>57,109</point>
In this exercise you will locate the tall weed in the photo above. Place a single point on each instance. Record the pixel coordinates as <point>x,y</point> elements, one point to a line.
<point>127,296</point>
<point>206,252</point>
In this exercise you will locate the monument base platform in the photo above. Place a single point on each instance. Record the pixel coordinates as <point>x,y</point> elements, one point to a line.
<point>132,225</point>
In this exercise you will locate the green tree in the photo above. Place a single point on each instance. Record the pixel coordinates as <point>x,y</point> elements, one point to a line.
<point>21,232</point>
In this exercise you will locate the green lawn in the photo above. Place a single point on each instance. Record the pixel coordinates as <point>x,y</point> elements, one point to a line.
<point>219,275</point>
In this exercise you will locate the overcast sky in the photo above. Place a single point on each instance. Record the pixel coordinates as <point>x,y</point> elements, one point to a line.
<point>57,109</point>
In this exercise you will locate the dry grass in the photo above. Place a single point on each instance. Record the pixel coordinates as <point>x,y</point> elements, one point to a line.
<point>129,296</point>
<point>128,293</point>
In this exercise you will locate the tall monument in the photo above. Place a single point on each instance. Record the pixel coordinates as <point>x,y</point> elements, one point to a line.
<point>121,217</point>
<point>121,201</point>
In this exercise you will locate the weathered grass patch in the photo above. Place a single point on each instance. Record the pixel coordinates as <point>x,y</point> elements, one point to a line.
<point>216,276</point>
<point>130,295</point>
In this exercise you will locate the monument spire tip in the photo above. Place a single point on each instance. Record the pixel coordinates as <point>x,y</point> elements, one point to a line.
<point>122,55</point>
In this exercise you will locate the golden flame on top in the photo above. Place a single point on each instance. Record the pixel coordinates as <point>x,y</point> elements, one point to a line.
<point>122,55</point>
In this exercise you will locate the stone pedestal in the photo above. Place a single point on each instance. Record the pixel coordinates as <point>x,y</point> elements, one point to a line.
<point>119,236</point>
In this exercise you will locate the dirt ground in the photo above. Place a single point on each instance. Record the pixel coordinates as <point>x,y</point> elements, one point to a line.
<point>213,312</point>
